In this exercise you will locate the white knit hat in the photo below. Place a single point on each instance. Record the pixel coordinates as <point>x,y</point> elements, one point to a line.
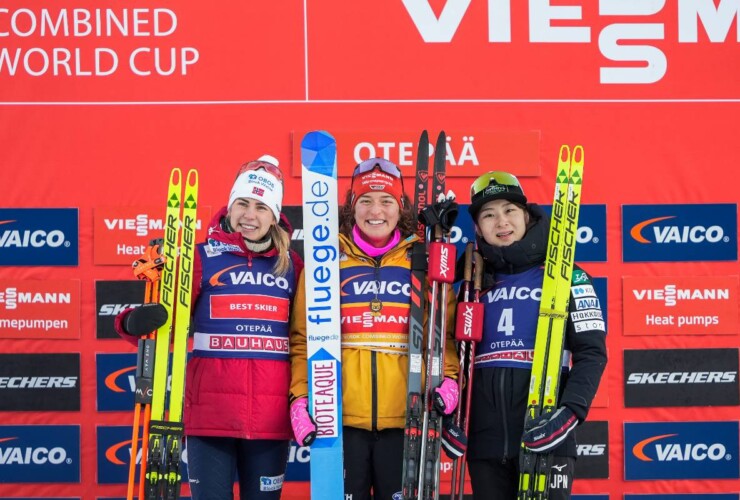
<point>259,185</point>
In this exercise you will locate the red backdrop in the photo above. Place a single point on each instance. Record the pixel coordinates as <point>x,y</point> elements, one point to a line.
<point>364,71</point>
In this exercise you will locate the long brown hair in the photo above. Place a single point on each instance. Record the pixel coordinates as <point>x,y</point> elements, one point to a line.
<point>406,220</point>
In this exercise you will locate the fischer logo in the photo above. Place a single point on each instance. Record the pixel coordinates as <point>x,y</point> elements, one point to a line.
<point>38,382</point>
<point>677,234</point>
<point>682,377</point>
<point>670,294</point>
<point>616,41</point>
<point>697,452</point>
<point>40,455</point>
<point>14,238</point>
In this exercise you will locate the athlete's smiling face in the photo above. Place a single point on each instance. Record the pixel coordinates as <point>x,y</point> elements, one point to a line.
<point>251,218</point>
<point>376,216</point>
<point>501,222</point>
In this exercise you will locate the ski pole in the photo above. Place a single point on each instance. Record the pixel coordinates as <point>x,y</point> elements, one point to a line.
<point>147,268</point>
<point>462,352</point>
<point>472,331</point>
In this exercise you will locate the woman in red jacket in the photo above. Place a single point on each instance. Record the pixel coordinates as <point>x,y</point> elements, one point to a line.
<point>237,381</point>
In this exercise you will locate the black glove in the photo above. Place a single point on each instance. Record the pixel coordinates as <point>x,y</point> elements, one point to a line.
<point>454,440</point>
<point>143,320</point>
<point>550,430</point>
<point>441,213</point>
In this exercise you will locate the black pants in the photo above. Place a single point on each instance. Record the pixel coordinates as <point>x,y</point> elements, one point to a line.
<point>373,460</point>
<point>496,480</point>
<point>213,463</point>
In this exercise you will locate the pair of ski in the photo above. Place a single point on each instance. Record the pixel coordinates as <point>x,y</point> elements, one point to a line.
<point>432,261</point>
<point>167,266</point>
<point>534,478</point>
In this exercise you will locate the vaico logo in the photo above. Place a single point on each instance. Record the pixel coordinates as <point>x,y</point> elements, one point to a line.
<point>38,237</point>
<point>366,283</point>
<point>662,233</point>
<point>681,450</point>
<point>122,233</point>
<point>40,454</point>
<point>240,274</point>
<point>116,381</point>
<point>591,233</point>
<point>114,454</point>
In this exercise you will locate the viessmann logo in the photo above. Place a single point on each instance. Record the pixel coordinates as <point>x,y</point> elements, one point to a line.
<point>629,42</point>
<point>140,224</point>
<point>663,233</point>
<point>38,237</point>
<point>681,450</point>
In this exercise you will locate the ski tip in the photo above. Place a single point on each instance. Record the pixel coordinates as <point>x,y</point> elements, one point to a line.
<point>192,179</point>
<point>175,176</point>
<point>564,155</point>
<point>578,155</point>
<point>316,140</point>
<point>319,152</point>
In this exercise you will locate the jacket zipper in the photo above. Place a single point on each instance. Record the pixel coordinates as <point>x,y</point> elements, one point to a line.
<point>374,374</point>
<point>503,415</point>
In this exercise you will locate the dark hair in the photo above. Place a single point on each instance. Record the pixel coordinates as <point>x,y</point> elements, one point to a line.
<point>406,220</point>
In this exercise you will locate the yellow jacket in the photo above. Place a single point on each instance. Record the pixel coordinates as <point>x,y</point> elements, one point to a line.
<point>374,347</point>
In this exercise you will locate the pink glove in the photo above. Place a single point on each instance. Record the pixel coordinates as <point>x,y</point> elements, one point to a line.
<point>445,396</point>
<point>304,428</point>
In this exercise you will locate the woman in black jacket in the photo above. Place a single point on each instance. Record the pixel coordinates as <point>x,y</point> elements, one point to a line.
<point>512,237</point>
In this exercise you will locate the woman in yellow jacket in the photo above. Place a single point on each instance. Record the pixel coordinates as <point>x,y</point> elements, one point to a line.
<point>377,227</point>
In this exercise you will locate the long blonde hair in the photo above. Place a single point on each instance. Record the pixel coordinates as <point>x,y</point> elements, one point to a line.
<point>281,242</point>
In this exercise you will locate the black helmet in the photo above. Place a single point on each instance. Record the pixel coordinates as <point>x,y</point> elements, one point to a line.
<point>494,186</point>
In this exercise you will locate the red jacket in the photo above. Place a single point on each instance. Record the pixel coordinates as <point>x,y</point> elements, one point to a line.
<point>232,397</point>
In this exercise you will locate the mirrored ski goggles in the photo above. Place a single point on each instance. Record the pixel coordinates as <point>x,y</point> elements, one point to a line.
<point>261,165</point>
<point>384,165</point>
<point>498,181</point>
